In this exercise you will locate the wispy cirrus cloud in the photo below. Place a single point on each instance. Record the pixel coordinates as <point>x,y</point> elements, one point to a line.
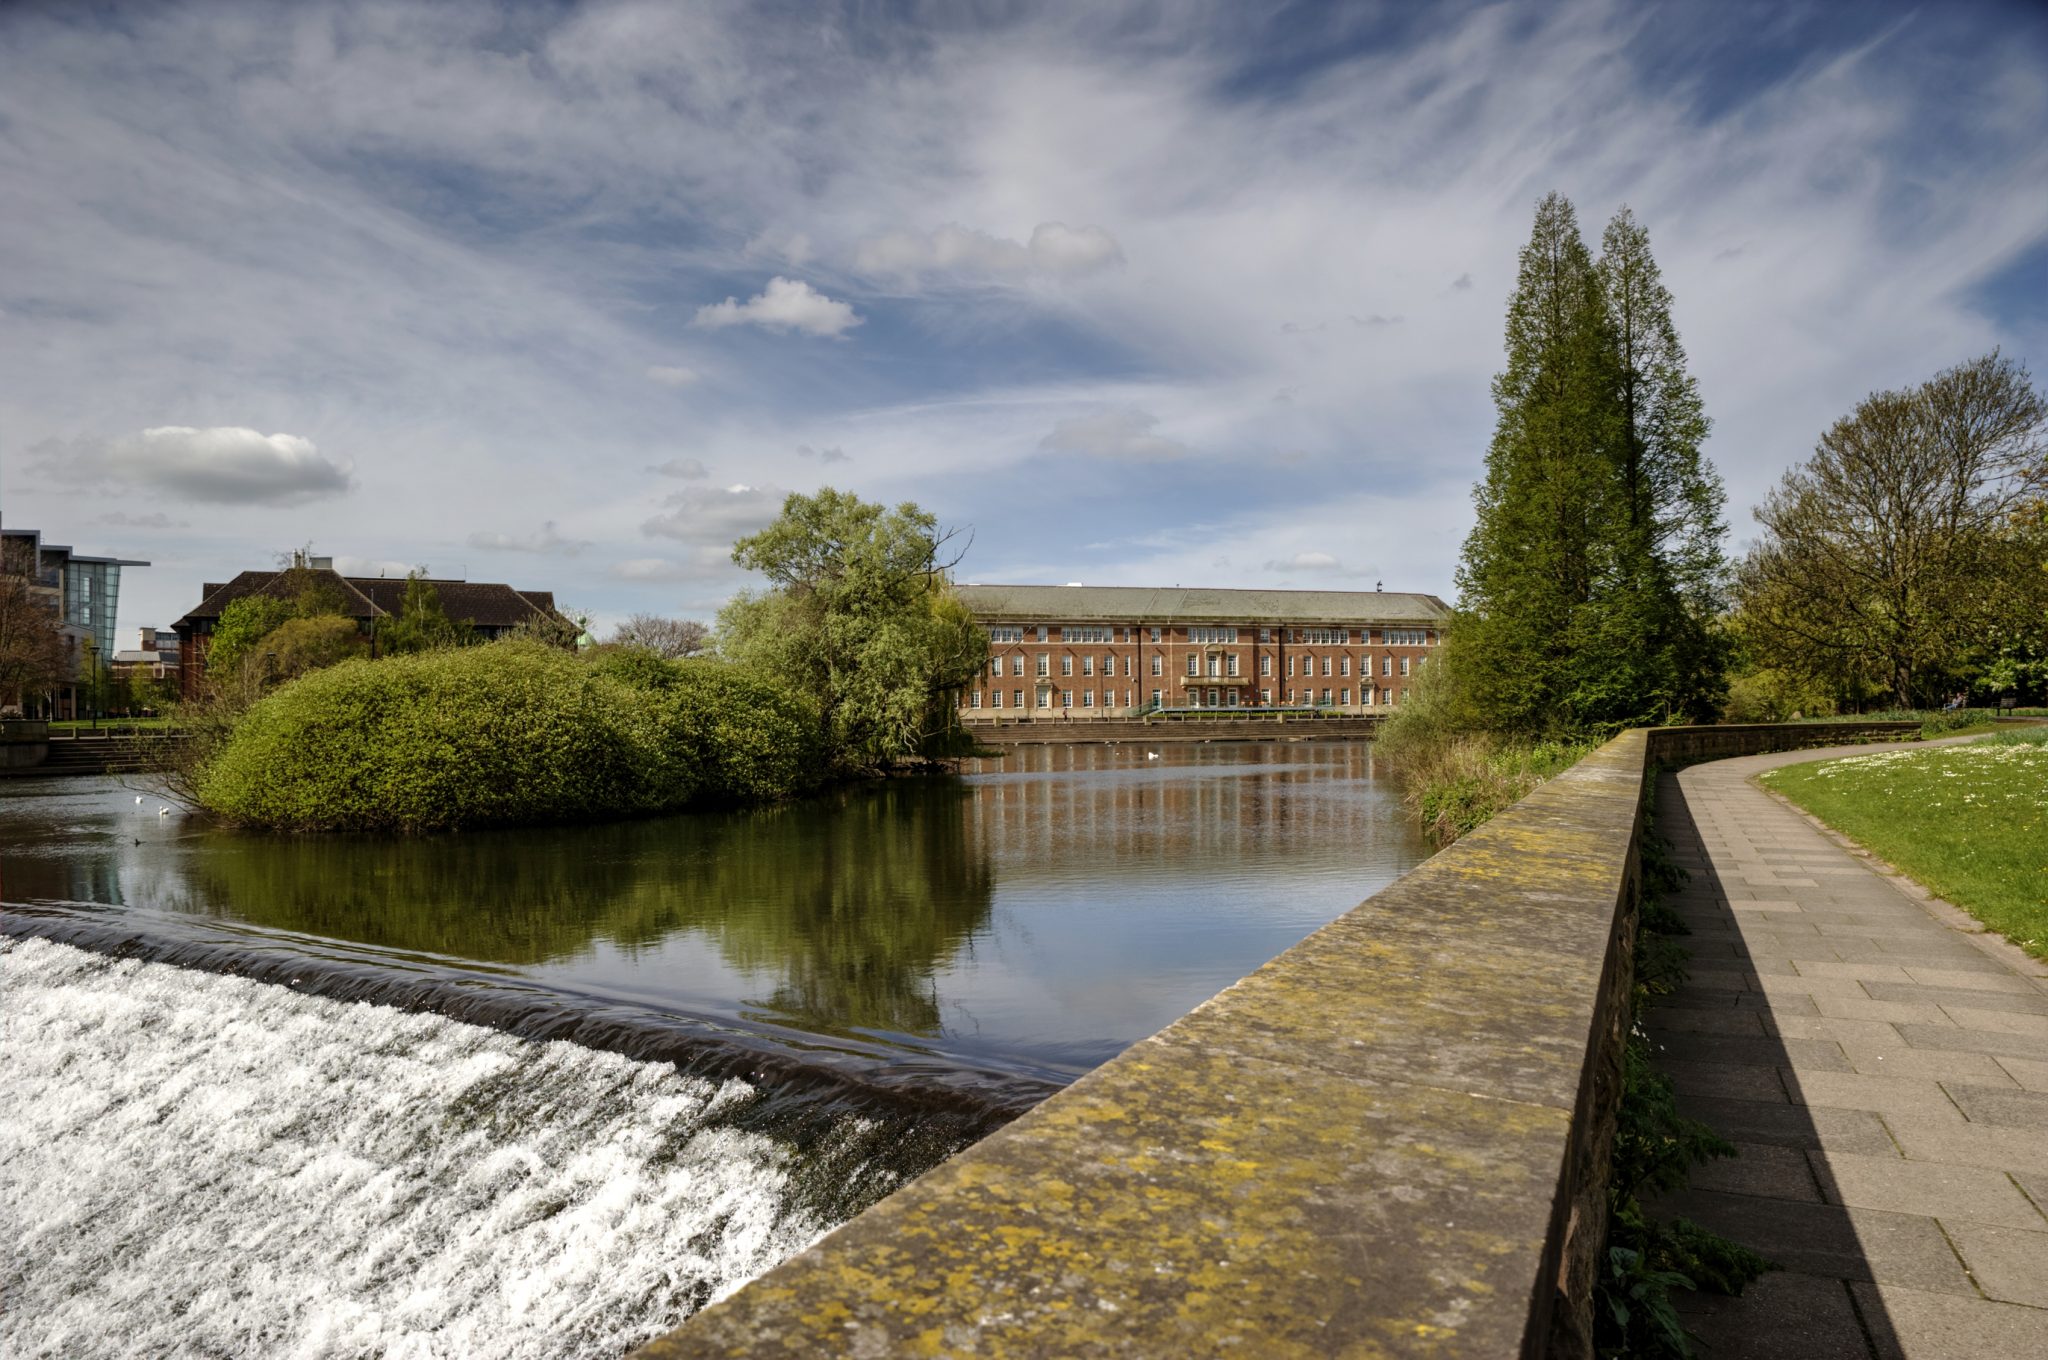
<point>543,540</point>
<point>449,239</point>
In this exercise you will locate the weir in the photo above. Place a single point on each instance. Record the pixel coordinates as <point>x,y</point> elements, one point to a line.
<point>1392,1138</point>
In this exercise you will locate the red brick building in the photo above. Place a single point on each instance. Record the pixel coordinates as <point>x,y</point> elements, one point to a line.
<point>492,609</point>
<point>1109,651</point>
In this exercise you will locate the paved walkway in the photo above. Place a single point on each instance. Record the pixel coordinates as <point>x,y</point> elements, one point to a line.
<point>1883,1065</point>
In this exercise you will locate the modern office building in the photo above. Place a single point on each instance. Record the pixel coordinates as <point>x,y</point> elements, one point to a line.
<point>84,592</point>
<point>1110,651</point>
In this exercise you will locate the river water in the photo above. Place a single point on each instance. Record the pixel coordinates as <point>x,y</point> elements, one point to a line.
<point>549,1091</point>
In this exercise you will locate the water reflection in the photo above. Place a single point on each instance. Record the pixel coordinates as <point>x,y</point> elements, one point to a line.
<point>1040,911</point>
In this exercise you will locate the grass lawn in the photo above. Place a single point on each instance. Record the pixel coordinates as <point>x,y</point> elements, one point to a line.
<point>1968,821</point>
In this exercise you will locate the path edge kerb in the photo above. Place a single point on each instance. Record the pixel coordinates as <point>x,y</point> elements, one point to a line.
<point>1944,912</point>
<point>1390,1139</point>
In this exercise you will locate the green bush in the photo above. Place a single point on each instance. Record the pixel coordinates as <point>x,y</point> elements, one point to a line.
<point>507,734</point>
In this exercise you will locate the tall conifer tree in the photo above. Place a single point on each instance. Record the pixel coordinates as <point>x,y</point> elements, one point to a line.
<point>1535,556</point>
<point>1589,580</point>
<point>1671,497</point>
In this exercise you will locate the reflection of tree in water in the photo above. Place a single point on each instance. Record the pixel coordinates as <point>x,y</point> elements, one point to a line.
<point>851,901</point>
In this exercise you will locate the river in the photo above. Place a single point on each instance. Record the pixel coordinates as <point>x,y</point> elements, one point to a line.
<point>549,1091</point>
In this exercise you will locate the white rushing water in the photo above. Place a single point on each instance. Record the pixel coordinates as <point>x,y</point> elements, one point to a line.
<point>194,1164</point>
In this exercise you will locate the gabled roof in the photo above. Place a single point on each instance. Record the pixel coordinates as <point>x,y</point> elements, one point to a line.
<point>1175,604</point>
<point>486,604</point>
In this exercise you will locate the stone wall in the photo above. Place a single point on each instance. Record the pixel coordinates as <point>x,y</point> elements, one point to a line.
<point>1391,1139</point>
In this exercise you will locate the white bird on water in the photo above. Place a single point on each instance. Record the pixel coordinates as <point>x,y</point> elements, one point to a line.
<point>138,800</point>
<point>163,812</point>
<point>1151,755</point>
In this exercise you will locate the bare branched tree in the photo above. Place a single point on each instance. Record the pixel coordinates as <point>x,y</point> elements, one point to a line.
<point>1891,553</point>
<point>665,637</point>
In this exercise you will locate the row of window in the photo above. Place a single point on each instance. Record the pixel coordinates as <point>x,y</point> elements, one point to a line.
<point>1217,698</point>
<point>1217,665</point>
<point>1205,635</point>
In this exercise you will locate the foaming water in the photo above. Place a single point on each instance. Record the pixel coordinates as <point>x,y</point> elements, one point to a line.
<point>195,1164</point>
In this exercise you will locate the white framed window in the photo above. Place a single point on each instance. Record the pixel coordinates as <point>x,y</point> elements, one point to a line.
<point>1156,635</point>
<point>1326,666</point>
<point>1386,696</point>
<point>1017,664</point>
<point>1194,664</point>
<point>1016,698</point>
<point>1266,664</point>
<point>977,700</point>
<point>1230,664</point>
<point>1230,699</point>
<point>1344,664</point>
<point>1158,664</point>
<point>1006,632</point>
<point>1326,698</point>
<point>1045,698</point>
<point>996,699</point>
<point>1215,698</point>
<point>1265,635</point>
<point>1290,668</point>
<point>1044,665</point>
<point>1344,698</point>
<point>1087,698</point>
<point>1266,697</point>
<point>1128,700</point>
<point>1042,630</point>
<point>1329,637</point>
<point>1087,665</point>
<point>1404,665</point>
<point>995,666</point>
<point>1386,665</point>
<point>1066,664</point>
<point>1084,633</point>
<point>1205,636</point>
<point>1158,698</point>
<point>1216,666</point>
<point>1109,663</point>
<point>1066,698</point>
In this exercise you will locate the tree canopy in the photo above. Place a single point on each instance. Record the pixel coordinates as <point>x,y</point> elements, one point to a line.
<point>1907,554</point>
<point>860,615</point>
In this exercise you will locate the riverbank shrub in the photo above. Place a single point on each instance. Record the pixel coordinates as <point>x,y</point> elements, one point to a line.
<point>512,733</point>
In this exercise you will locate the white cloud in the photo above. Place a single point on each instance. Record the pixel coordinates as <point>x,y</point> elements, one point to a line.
<point>377,566</point>
<point>830,455</point>
<point>784,305</point>
<point>155,519</point>
<point>1125,433</point>
<point>1055,249</point>
<point>546,540</point>
<point>1306,561</point>
<point>715,516</point>
<point>651,569</point>
<point>673,376</point>
<point>689,469</point>
<point>223,465</point>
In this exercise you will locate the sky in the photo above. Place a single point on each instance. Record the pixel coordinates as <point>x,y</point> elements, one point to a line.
<point>571,295</point>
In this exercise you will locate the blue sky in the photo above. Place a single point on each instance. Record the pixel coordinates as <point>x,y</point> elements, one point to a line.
<point>571,295</point>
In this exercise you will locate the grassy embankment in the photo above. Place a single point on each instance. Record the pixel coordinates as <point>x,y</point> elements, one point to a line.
<point>1970,822</point>
<point>513,733</point>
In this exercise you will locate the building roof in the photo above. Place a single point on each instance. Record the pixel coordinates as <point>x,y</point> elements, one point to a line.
<point>483,603</point>
<point>1176,604</point>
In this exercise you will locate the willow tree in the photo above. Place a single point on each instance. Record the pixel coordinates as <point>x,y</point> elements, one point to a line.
<point>861,617</point>
<point>1588,582</point>
<point>1893,554</point>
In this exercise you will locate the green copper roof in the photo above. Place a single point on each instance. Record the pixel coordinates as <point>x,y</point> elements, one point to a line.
<point>1175,604</point>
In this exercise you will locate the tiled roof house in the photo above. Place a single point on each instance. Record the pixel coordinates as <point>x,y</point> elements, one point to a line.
<point>493,609</point>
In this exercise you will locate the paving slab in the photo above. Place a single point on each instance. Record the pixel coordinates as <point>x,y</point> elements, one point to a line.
<point>1895,1161</point>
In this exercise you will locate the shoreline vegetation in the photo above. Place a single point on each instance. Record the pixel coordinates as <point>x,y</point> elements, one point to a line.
<point>844,668</point>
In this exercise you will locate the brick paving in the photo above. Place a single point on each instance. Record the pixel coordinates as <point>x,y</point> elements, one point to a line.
<point>1881,1061</point>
